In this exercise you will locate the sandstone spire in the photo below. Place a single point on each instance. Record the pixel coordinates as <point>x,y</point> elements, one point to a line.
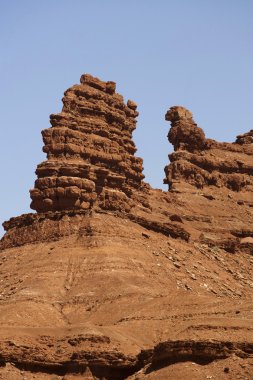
<point>90,152</point>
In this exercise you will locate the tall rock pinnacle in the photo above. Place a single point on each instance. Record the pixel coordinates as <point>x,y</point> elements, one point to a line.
<point>90,152</point>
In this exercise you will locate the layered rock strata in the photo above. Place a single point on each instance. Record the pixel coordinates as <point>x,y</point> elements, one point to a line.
<point>114,280</point>
<point>117,299</point>
<point>90,152</point>
<point>203,162</point>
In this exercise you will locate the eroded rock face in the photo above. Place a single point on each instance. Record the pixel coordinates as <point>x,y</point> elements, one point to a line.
<point>114,280</point>
<point>90,152</point>
<point>246,138</point>
<point>184,133</point>
<point>203,162</point>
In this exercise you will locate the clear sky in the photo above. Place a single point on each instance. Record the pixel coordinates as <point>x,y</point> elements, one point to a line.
<point>195,53</point>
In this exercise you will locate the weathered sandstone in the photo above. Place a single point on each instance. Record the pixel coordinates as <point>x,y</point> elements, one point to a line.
<point>90,152</point>
<point>110,279</point>
<point>203,162</point>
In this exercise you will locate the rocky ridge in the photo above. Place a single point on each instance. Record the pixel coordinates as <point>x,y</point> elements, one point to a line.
<point>111,279</point>
<point>204,162</point>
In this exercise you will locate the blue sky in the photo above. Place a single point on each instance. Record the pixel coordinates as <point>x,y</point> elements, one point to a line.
<point>195,53</point>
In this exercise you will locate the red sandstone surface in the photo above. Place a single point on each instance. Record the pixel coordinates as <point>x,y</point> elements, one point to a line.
<point>111,279</point>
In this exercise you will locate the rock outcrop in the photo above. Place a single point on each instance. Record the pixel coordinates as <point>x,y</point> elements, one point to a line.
<point>246,138</point>
<point>202,162</point>
<point>90,152</point>
<point>184,133</point>
<point>113,280</point>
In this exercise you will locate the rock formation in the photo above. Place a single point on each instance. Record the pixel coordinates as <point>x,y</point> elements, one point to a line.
<point>246,138</point>
<point>90,151</point>
<point>184,133</point>
<point>203,162</point>
<point>111,279</point>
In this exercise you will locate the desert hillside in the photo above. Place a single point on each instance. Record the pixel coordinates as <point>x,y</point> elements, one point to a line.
<point>110,279</point>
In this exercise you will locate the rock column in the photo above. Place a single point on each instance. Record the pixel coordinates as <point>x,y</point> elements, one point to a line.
<point>90,152</point>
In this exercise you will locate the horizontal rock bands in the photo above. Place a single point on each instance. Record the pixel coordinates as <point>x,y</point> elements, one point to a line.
<point>83,93</point>
<point>77,137</point>
<point>211,164</point>
<point>204,162</point>
<point>92,125</point>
